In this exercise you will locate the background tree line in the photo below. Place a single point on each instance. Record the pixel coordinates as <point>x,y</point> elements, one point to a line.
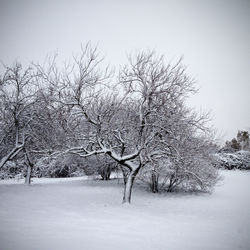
<point>235,154</point>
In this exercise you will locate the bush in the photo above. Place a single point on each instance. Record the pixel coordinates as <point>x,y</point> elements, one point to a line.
<point>65,166</point>
<point>237,160</point>
<point>12,169</point>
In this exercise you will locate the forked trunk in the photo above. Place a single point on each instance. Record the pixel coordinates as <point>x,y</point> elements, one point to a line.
<point>172,184</point>
<point>129,185</point>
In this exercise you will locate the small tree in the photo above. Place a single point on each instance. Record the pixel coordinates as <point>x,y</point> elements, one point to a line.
<point>243,140</point>
<point>31,122</point>
<point>17,94</point>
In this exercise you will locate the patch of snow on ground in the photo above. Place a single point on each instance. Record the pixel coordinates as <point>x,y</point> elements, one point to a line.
<point>43,180</point>
<point>78,213</point>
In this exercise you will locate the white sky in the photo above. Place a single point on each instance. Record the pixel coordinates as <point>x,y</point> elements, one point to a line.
<point>213,36</point>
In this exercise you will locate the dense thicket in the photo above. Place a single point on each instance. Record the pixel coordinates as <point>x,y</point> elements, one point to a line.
<point>53,119</point>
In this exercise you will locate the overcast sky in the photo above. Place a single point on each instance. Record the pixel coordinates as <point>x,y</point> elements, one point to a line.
<point>213,36</point>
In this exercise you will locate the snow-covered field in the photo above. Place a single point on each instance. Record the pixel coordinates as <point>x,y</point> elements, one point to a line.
<point>88,215</point>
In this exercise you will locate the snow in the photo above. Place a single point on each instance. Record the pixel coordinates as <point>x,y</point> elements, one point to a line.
<point>85,214</point>
<point>239,159</point>
<point>43,180</point>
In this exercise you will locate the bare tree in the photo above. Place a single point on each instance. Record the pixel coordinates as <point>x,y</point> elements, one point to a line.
<point>128,120</point>
<point>17,96</point>
<point>28,122</point>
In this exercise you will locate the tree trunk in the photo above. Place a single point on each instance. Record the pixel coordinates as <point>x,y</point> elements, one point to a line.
<point>125,174</point>
<point>172,184</point>
<point>129,185</point>
<point>106,173</point>
<point>154,184</point>
<point>28,174</point>
<point>30,166</point>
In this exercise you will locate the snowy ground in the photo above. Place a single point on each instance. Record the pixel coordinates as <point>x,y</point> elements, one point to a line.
<point>88,215</point>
